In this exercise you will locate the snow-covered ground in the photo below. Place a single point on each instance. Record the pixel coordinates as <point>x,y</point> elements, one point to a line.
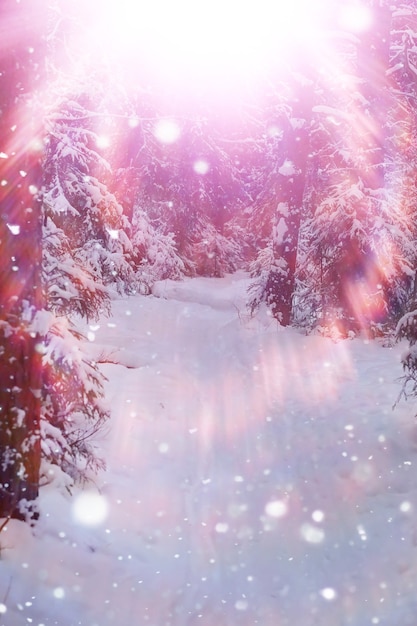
<point>255,476</point>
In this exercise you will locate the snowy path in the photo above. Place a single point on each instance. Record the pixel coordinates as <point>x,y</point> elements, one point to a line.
<point>255,477</point>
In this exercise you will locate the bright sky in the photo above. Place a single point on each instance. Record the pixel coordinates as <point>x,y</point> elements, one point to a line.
<point>213,43</point>
<point>207,45</point>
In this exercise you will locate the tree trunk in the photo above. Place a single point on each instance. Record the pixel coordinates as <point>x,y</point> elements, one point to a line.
<point>20,260</point>
<point>290,194</point>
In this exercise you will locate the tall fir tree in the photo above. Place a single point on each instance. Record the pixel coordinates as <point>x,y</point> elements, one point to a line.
<point>88,256</point>
<point>354,231</point>
<point>22,66</point>
<point>279,205</point>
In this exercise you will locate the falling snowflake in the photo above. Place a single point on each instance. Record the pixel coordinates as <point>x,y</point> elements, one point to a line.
<point>311,533</point>
<point>90,508</point>
<point>276,508</point>
<point>328,593</point>
<point>14,228</point>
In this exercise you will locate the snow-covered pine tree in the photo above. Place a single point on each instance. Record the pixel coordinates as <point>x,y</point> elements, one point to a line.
<point>22,64</point>
<point>77,199</point>
<point>87,252</point>
<point>354,232</point>
<point>278,206</point>
<point>73,410</point>
<point>401,159</point>
<point>187,189</point>
<point>216,254</point>
<point>407,329</point>
<point>261,160</point>
<point>155,253</point>
<point>401,177</point>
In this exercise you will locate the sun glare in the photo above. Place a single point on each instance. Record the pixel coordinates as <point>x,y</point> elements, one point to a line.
<point>201,39</point>
<point>355,17</point>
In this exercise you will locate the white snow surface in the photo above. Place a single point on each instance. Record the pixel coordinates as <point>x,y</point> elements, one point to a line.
<point>255,476</point>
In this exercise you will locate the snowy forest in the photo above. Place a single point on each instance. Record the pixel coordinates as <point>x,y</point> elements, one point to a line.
<point>143,150</point>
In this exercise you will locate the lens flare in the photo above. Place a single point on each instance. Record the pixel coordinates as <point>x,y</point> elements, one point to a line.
<point>201,167</point>
<point>167,131</point>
